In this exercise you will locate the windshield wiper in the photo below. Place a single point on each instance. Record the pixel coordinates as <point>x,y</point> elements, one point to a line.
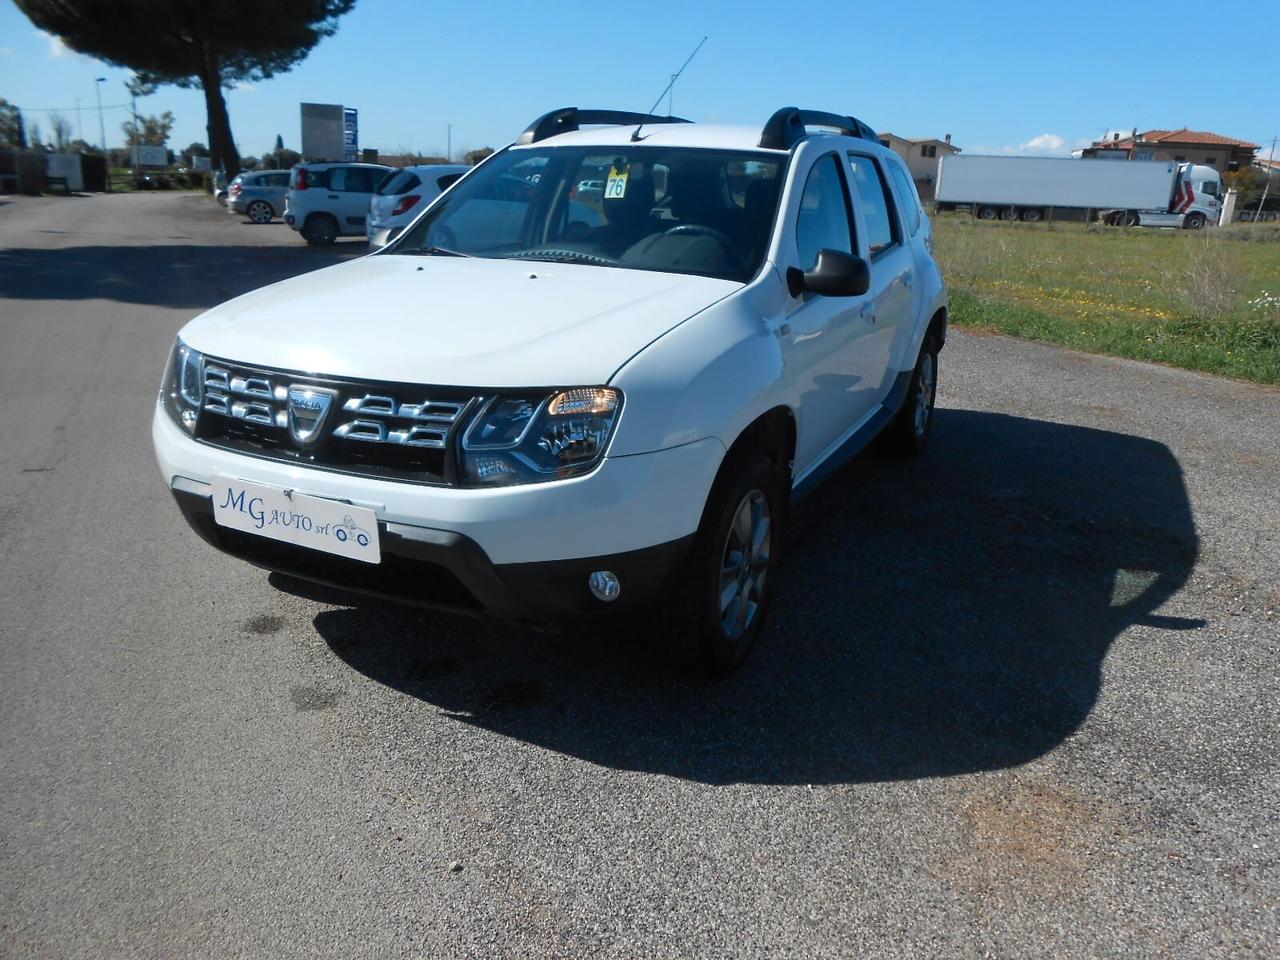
<point>564,256</point>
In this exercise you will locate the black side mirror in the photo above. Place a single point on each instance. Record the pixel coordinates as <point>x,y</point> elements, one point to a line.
<point>834,274</point>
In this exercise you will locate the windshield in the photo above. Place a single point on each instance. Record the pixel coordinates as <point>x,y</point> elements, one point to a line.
<point>675,210</point>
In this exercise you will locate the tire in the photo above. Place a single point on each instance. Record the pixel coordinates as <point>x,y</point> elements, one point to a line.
<point>341,535</point>
<point>320,230</point>
<point>714,610</point>
<point>1032,215</point>
<point>988,213</point>
<point>909,431</point>
<point>1130,218</point>
<point>1009,214</point>
<point>1194,221</point>
<point>260,212</point>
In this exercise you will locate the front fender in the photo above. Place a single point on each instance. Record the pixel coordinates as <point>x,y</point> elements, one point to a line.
<point>710,376</point>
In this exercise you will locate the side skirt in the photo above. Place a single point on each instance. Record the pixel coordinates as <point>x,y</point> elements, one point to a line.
<point>858,439</point>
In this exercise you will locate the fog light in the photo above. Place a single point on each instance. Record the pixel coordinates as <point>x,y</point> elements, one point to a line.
<point>604,585</point>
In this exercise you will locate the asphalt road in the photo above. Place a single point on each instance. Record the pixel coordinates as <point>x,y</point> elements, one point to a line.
<point>1019,699</point>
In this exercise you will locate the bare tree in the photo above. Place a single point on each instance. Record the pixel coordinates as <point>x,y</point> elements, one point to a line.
<point>61,128</point>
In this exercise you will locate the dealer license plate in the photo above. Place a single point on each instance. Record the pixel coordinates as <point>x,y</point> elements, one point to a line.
<point>292,517</point>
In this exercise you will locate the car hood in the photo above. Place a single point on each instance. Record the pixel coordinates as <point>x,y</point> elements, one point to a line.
<point>454,320</point>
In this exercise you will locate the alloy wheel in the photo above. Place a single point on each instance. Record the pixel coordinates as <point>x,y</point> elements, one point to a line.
<point>744,565</point>
<point>925,386</point>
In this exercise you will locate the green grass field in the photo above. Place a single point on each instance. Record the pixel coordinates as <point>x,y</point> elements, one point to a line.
<point>1207,300</point>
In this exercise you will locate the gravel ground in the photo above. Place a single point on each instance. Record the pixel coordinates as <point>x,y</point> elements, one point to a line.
<point>1018,699</point>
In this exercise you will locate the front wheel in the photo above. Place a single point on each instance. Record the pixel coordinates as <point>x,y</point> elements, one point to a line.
<point>909,430</point>
<point>715,608</point>
<point>1194,221</point>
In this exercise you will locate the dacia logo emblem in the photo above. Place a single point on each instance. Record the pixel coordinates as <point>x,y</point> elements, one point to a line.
<point>308,409</point>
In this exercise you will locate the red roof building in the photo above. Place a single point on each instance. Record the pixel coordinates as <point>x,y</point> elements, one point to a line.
<point>1191,146</point>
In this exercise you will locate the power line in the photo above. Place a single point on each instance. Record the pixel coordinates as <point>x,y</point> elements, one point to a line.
<point>105,106</point>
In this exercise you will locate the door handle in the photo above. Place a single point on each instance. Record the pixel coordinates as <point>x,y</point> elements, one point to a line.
<point>868,312</point>
<point>906,280</point>
<point>333,196</point>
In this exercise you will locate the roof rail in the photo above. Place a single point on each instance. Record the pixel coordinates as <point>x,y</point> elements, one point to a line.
<point>568,119</point>
<point>786,128</point>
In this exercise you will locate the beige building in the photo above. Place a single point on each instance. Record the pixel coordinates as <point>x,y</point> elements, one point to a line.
<point>921,157</point>
<point>1190,146</point>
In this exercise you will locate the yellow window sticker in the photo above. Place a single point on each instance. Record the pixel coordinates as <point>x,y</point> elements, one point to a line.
<point>616,186</point>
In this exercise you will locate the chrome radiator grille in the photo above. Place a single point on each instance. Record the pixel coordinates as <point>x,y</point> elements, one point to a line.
<point>385,430</point>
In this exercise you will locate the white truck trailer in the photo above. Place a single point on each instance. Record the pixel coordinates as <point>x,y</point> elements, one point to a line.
<point>1133,193</point>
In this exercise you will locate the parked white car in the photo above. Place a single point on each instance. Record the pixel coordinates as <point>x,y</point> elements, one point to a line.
<point>403,195</point>
<point>558,411</point>
<point>331,200</point>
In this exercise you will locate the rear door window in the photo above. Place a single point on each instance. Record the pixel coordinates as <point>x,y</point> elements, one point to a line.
<point>875,202</point>
<point>351,180</point>
<point>907,194</point>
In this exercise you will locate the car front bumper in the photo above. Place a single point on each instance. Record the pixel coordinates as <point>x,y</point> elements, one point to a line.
<point>520,552</point>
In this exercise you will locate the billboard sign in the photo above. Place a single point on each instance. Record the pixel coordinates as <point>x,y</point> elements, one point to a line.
<point>350,135</point>
<point>323,131</point>
<point>149,156</point>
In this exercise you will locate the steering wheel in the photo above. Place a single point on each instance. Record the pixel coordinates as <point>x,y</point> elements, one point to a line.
<point>442,236</point>
<point>702,230</point>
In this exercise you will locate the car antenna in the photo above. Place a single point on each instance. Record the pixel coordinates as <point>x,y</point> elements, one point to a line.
<point>635,136</point>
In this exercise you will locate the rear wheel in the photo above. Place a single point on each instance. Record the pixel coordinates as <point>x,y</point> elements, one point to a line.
<point>1009,213</point>
<point>715,608</point>
<point>910,429</point>
<point>1031,215</point>
<point>1130,218</point>
<point>320,230</point>
<point>988,213</point>
<point>260,212</point>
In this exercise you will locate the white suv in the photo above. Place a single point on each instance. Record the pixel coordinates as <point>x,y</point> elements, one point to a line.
<point>555,407</point>
<point>331,200</point>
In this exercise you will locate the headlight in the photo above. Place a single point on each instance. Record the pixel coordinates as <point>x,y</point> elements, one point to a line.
<point>529,439</point>
<point>183,387</point>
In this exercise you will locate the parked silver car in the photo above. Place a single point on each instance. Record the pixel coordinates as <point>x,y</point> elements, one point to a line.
<point>258,195</point>
<point>331,200</point>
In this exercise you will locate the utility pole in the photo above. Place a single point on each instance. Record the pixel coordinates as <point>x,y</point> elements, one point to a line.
<point>1266,189</point>
<point>102,131</point>
<point>133,97</point>
<point>102,125</point>
<point>79,125</point>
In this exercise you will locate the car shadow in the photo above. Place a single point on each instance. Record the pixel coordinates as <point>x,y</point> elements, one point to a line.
<point>939,617</point>
<point>162,275</point>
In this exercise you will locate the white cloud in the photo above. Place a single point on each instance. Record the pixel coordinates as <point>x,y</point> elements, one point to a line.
<point>59,50</point>
<point>1045,143</point>
<point>243,86</point>
<point>6,51</point>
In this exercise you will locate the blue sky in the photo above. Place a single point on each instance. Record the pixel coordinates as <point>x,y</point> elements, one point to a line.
<point>1000,77</point>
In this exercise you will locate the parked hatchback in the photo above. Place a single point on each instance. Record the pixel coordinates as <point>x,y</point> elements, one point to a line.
<point>403,195</point>
<point>330,200</point>
<point>259,196</point>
